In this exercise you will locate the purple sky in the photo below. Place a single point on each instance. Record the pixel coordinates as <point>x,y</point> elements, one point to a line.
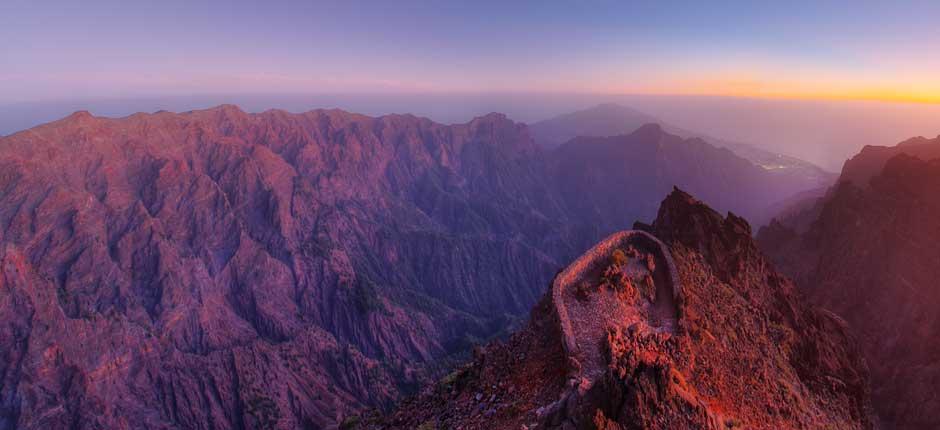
<point>53,50</point>
<point>531,60</point>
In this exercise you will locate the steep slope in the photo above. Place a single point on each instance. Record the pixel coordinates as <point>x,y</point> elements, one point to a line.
<point>614,120</point>
<point>871,257</point>
<point>612,179</point>
<point>223,269</point>
<point>694,331</point>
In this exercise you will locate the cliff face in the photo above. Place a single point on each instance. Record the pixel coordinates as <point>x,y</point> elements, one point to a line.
<point>220,269</point>
<point>871,257</point>
<point>682,326</point>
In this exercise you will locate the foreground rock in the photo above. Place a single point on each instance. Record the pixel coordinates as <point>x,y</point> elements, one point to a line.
<point>695,331</point>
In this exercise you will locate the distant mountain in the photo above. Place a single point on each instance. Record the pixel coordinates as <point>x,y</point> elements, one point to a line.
<point>696,331</point>
<point>872,159</point>
<point>871,255</point>
<point>599,121</point>
<point>608,180</point>
<point>612,119</point>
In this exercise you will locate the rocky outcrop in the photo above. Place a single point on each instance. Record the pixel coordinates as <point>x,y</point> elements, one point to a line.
<point>743,351</point>
<point>644,255</point>
<point>871,257</point>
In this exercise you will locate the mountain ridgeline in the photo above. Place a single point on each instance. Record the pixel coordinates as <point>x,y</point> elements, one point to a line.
<point>869,251</point>
<point>219,269</point>
<point>613,120</point>
<point>681,325</point>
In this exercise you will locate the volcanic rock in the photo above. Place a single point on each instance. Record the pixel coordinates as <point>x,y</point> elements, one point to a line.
<point>872,257</point>
<point>724,342</point>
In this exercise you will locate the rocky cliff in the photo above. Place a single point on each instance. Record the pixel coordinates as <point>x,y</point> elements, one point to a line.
<point>871,257</point>
<point>217,269</point>
<point>683,325</point>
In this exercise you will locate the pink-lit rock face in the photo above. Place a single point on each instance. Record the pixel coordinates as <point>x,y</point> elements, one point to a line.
<point>216,268</point>
<point>744,350</point>
<point>871,256</point>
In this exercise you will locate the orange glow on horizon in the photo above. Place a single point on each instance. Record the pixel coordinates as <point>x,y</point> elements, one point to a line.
<point>827,89</point>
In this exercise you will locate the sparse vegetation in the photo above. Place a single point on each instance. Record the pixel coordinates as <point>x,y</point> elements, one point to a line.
<point>265,412</point>
<point>366,296</point>
<point>618,258</point>
<point>350,422</point>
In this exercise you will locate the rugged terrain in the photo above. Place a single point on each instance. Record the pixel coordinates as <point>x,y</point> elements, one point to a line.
<point>219,269</point>
<point>679,325</point>
<point>871,255</point>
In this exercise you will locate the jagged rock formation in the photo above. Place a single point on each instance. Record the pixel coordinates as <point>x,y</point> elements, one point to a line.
<point>871,256</point>
<point>222,269</point>
<point>696,331</point>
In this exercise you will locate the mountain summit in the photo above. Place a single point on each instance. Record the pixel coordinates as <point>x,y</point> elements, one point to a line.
<point>680,325</point>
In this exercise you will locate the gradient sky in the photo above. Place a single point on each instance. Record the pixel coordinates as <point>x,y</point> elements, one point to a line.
<point>53,50</point>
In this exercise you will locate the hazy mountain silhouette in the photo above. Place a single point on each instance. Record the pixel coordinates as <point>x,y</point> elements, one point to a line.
<point>612,119</point>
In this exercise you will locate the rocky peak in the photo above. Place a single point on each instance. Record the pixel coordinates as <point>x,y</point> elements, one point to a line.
<point>685,220</point>
<point>497,129</point>
<point>639,333</point>
<point>226,109</point>
<point>81,115</point>
<point>77,120</point>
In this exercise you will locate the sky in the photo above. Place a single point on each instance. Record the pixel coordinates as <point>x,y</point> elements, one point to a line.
<point>54,50</point>
<point>814,79</point>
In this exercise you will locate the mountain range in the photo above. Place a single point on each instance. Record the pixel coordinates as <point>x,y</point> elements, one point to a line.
<point>612,119</point>
<point>220,269</point>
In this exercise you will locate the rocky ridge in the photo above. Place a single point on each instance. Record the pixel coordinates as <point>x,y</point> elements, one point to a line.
<point>743,351</point>
<point>870,256</point>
